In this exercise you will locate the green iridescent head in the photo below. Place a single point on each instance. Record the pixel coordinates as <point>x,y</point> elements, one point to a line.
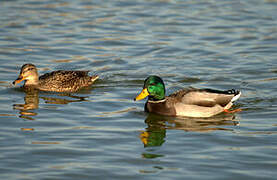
<point>153,88</point>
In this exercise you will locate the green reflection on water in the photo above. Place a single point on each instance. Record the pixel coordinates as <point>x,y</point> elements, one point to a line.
<point>157,125</point>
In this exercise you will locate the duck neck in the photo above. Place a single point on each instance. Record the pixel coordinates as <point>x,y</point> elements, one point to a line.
<point>32,81</point>
<point>156,100</point>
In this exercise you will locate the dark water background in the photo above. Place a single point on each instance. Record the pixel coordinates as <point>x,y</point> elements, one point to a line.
<point>100,133</point>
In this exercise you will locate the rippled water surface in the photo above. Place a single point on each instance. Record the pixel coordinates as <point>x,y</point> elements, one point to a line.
<point>100,132</point>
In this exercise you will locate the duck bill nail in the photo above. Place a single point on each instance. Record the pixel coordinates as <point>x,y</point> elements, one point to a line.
<point>144,93</point>
<point>18,80</point>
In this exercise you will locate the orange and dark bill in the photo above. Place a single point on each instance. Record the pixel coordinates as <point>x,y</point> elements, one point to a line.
<point>19,79</point>
<point>144,93</point>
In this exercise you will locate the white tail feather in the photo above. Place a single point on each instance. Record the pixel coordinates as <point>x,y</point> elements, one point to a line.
<point>236,97</point>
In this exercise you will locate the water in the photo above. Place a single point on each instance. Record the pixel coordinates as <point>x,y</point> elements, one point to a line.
<point>99,132</point>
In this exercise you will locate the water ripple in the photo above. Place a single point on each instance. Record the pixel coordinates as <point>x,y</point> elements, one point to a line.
<point>100,132</point>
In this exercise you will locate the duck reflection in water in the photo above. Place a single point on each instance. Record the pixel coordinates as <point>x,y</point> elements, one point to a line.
<point>155,133</point>
<point>31,99</point>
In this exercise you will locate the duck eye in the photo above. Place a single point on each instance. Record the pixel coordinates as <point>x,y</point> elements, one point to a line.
<point>29,69</point>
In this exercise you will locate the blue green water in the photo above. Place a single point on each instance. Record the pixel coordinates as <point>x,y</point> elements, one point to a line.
<point>100,132</point>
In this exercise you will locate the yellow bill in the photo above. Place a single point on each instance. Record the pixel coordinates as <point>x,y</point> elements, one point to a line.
<point>144,93</point>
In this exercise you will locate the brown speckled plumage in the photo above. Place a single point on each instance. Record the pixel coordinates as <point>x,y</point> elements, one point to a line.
<point>58,81</point>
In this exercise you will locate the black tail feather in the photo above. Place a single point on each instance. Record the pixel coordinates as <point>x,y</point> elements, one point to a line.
<point>231,91</point>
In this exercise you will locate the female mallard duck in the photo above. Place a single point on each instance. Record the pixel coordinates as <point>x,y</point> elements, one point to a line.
<point>58,81</point>
<point>189,102</point>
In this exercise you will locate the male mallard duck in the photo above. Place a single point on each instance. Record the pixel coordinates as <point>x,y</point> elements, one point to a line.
<point>189,102</point>
<point>58,81</point>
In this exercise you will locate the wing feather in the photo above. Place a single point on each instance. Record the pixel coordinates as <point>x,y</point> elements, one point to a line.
<point>205,97</point>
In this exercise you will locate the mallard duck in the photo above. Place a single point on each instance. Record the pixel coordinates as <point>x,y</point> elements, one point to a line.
<point>58,81</point>
<point>190,102</point>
